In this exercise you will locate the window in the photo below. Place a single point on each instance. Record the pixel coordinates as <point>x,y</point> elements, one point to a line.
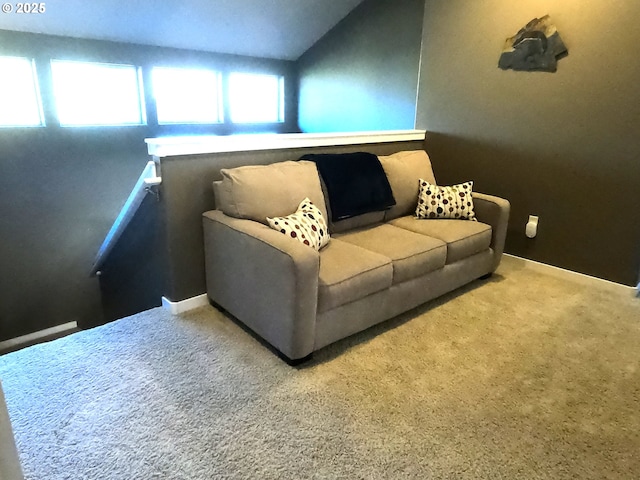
<point>186,95</point>
<point>256,98</point>
<point>97,93</point>
<point>20,104</point>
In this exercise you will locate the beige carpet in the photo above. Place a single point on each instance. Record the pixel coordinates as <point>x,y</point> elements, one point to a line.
<point>524,376</point>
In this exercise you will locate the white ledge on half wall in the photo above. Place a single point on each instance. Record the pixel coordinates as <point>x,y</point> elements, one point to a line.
<point>203,144</point>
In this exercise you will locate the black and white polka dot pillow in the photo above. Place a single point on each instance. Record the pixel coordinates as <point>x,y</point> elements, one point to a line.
<point>307,225</point>
<point>455,201</point>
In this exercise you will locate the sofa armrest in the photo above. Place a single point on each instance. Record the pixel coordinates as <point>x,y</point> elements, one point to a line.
<point>493,211</point>
<point>266,280</point>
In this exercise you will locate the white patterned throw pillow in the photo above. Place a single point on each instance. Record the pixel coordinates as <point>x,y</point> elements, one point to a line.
<point>307,225</point>
<point>455,201</point>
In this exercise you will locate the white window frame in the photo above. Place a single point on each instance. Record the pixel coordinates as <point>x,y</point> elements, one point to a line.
<point>242,117</point>
<point>11,90</point>
<point>66,117</point>
<point>214,88</point>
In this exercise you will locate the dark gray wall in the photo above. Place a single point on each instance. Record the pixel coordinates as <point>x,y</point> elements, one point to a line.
<point>61,188</point>
<point>134,277</point>
<point>363,74</point>
<point>564,145</point>
<point>186,193</point>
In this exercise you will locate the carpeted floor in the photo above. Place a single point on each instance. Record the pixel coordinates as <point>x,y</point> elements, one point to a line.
<point>524,376</point>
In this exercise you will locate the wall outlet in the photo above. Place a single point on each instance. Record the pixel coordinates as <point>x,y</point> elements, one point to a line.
<point>531,229</point>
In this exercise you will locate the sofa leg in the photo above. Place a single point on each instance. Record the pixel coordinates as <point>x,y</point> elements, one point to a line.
<point>294,362</point>
<point>486,276</point>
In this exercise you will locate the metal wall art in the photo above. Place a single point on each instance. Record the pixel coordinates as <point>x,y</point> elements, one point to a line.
<point>536,47</point>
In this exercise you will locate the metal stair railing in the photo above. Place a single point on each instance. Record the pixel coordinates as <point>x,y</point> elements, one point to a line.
<point>147,180</point>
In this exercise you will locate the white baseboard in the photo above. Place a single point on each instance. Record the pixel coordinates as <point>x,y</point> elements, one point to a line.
<point>575,276</point>
<point>185,305</point>
<point>38,337</point>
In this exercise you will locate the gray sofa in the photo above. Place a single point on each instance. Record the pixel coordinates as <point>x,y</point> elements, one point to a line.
<point>376,265</point>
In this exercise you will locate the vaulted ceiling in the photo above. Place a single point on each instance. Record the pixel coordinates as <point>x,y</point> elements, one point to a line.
<point>282,29</point>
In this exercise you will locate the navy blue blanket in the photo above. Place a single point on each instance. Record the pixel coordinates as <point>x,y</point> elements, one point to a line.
<point>356,183</point>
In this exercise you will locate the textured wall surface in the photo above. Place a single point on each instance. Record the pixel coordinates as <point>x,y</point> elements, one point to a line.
<point>363,74</point>
<point>61,188</point>
<point>564,145</point>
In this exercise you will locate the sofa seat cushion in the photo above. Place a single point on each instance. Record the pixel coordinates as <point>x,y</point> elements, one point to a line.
<point>463,238</point>
<point>348,273</point>
<point>411,254</point>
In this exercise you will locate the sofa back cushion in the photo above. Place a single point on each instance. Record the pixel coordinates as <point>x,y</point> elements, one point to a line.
<point>404,169</point>
<point>256,192</point>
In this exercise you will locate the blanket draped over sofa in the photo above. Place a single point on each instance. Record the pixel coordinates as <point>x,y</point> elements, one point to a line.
<point>375,266</point>
<point>355,183</point>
